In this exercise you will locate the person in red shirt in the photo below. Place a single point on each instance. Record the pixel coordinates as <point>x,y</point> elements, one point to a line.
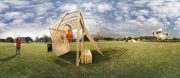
<point>69,34</point>
<point>18,45</point>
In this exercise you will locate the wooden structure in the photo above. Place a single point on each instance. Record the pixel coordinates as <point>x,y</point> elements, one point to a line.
<point>58,31</point>
<point>86,57</point>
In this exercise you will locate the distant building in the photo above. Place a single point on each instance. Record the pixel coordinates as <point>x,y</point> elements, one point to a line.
<point>160,35</point>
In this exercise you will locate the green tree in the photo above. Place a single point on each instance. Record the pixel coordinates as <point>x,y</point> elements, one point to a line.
<point>9,39</point>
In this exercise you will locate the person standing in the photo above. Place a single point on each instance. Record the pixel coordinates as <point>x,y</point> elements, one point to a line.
<point>18,45</point>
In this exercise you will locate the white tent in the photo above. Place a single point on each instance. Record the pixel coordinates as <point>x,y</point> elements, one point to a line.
<point>58,31</point>
<point>133,40</point>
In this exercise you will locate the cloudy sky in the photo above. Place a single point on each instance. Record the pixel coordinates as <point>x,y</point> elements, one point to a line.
<point>108,17</point>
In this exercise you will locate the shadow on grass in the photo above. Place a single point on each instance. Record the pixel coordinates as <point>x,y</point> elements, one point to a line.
<point>7,58</point>
<point>66,59</point>
<point>109,54</point>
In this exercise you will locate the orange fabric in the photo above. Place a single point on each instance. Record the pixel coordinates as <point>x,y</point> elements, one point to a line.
<point>69,35</point>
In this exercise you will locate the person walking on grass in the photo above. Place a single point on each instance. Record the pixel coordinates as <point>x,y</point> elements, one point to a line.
<point>18,45</point>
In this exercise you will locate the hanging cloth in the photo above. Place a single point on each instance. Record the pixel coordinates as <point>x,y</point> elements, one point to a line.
<point>69,35</point>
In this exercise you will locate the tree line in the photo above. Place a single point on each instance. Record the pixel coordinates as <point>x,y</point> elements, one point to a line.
<point>28,39</point>
<point>47,39</point>
<point>140,38</point>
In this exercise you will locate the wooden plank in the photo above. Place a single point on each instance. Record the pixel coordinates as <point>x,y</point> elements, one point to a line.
<point>69,21</point>
<point>70,17</point>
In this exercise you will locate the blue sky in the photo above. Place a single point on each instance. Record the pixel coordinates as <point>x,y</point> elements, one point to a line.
<point>108,17</point>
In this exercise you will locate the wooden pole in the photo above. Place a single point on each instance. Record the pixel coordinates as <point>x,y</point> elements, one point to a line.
<point>82,40</point>
<point>77,53</point>
<point>77,44</point>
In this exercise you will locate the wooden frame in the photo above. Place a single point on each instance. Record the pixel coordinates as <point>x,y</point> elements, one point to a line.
<point>80,46</point>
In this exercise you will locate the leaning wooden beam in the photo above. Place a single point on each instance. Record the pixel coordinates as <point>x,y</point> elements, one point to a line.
<point>92,41</point>
<point>77,45</point>
<point>89,36</point>
<point>78,38</point>
<point>82,27</point>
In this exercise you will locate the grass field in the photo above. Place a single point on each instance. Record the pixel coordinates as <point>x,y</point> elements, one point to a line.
<point>121,60</point>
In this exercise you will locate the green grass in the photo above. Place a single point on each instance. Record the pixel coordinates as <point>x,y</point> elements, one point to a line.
<point>121,60</point>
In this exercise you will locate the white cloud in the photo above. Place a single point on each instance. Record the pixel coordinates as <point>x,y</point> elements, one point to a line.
<point>119,18</point>
<point>2,25</point>
<point>125,8</point>
<point>88,5</point>
<point>132,28</point>
<point>152,24</point>
<point>148,13</point>
<point>43,8</point>
<point>153,21</point>
<point>104,7</point>
<point>171,9</point>
<point>93,22</point>
<point>17,2</point>
<point>24,30</point>
<point>17,22</point>
<point>3,6</point>
<point>177,24</point>
<point>28,15</point>
<point>68,7</point>
<point>127,17</point>
<point>18,15</point>
<point>140,14</point>
<point>141,18</point>
<point>143,12</point>
<point>13,15</point>
<point>140,2</point>
<point>38,19</point>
